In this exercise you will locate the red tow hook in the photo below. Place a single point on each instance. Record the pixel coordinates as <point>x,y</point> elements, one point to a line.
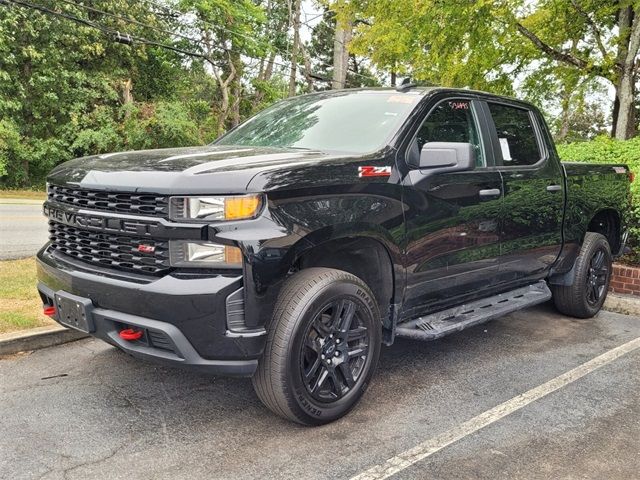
<point>49,311</point>
<point>130,334</point>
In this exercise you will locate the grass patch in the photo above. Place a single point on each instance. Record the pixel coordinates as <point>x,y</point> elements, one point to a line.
<point>24,194</point>
<point>20,305</point>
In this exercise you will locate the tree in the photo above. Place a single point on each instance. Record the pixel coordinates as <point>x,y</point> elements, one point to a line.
<point>225,30</point>
<point>486,44</point>
<point>53,75</point>
<point>274,32</point>
<point>605,36</point>
<point>321,48</point>
<point>584,121</point>
<point>68,89</point>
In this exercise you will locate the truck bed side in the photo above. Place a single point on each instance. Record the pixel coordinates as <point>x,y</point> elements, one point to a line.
<point>598,199</point>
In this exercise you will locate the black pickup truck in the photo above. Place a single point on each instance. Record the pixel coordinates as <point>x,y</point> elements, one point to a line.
<point>294,246</point>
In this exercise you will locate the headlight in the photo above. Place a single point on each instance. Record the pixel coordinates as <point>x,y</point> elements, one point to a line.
<point>237,207</point>
<point>204,254</point>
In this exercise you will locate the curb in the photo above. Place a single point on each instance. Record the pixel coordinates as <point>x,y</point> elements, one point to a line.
<point>37,338</point>
<point>625,304</point>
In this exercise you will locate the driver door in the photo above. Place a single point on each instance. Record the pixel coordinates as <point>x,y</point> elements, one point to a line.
<point>453,218</point>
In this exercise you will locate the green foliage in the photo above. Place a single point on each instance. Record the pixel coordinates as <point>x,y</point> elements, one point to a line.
<point>67,90</point>
<point>62,87</point>
<point>446,43</point>
<point>557,49</point>
<point>10,147</point>
<point>607,150</point>
<point>97,132</point>
<point>165,124</point>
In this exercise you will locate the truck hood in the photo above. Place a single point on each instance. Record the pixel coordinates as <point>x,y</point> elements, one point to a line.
<point>208,169</point>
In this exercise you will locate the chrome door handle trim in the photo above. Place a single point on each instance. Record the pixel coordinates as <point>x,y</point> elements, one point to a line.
<point>554,188</point>
<point>491,192</point>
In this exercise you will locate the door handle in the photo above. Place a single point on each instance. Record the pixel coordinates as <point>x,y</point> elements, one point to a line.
<point>491,192</point>
<point>554,188</point>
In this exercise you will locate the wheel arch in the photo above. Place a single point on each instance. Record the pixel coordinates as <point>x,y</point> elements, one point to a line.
<point>366,251</point>
<point>365,257</point>
<point>607,222</point>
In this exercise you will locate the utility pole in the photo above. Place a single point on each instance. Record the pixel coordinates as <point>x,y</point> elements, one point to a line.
<point>341,39</point>
<point>297,5</point>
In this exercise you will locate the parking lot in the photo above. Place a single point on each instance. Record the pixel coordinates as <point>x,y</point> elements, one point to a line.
<point>87,410</point>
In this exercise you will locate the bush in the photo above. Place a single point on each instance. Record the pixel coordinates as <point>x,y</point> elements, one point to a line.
<point>10,142</point>
<point>160,125</point>
<point>607,150</point>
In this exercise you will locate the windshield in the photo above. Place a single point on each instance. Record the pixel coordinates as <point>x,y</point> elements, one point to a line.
<point>356,121</point>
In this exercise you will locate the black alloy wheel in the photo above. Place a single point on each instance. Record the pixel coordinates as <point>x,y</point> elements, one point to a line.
<point>322,346</point>
<point>590,277</point>
<point>598,277</point>
<point>335,350</point>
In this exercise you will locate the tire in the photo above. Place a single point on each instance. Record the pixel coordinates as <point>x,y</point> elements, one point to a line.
<point>311,304</point>
<point>585,296</point>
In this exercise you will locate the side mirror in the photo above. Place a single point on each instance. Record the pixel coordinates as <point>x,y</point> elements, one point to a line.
<point>448,156</point>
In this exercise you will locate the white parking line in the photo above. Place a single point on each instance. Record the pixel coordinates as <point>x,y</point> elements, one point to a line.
<point>425,449</point>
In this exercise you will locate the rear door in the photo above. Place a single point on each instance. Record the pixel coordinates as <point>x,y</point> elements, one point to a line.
<point>533,181</point>
<point>452,219</point>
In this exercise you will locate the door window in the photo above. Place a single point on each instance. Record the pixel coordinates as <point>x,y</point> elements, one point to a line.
<point>452,121</point>
<point>517,137</point>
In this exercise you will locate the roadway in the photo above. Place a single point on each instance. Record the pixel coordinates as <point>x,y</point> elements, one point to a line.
<point>23,228</point>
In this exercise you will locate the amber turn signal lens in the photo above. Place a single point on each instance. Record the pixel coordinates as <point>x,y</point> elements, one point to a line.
<point>236,208</point>
<point>232,255</point>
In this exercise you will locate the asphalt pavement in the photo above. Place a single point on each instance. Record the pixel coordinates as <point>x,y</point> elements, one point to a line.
<point>86,410</point>
<point>23,228</point>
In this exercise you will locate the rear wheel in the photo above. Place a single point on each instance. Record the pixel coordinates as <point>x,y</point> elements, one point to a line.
<point>322,348</point>
<point>586,295</point>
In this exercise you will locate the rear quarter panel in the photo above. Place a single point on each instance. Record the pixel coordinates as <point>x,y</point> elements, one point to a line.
<point>591,189</point>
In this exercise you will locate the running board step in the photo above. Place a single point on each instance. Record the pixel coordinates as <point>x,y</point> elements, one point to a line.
<point>458,318</point>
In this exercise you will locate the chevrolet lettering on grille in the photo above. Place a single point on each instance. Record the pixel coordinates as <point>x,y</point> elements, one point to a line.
<point>62,216</point>
<point>99,222</point>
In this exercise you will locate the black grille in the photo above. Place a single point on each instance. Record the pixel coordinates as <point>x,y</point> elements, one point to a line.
<point>130,203</point>
<point>108,250</point>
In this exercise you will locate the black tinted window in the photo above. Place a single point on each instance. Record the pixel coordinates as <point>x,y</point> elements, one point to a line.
<point>516,135</point>
<point>451,121</point>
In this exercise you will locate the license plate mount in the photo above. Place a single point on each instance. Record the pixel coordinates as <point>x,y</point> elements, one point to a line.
<point>74,312</point>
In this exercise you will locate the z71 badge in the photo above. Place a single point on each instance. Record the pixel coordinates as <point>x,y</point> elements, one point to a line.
<point>374,171</point>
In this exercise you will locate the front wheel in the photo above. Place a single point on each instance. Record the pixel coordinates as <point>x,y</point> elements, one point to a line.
<point>586,295</point>
<point>322,347</point>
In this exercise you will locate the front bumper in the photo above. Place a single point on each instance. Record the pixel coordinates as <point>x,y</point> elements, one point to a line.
<point>184,318</point>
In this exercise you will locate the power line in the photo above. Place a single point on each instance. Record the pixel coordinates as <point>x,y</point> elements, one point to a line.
<point>126,38</point>
<point>116,35</point>
<point>128,20</point>
<point>204,22</point>
<point>120,36</point>
<point>168,9</point>
<point>282,54</point>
